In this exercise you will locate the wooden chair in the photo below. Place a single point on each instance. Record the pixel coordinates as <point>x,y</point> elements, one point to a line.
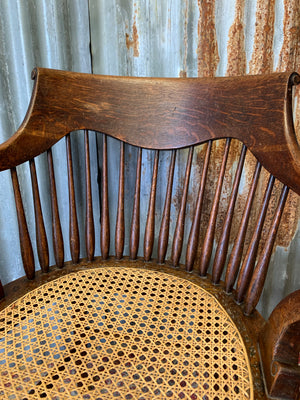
<point>151,322</point>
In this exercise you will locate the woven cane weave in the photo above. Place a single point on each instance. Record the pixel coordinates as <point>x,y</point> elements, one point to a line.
<point>121,333</point>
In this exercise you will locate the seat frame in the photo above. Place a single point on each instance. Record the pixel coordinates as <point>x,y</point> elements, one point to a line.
<point>171,114</point>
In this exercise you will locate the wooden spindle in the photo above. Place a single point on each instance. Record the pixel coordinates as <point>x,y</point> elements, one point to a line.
<point>25,242</point>
<point>237,250</point>
<point>210,232</point>
<point>195,228</point>
<point>89,217</point>
<point>260,273</point>
<point>149,231</point>
<point>163,238</point>
<point>57,237</point>
<point>179,230</point>
<point>249,261</point>
<point>104,232</point>
<point>120,228</point>
<point>2,294</point>
<point>222,248</point>
<point>73,223</point>
<point>41,237</point>
<point>135,223</point>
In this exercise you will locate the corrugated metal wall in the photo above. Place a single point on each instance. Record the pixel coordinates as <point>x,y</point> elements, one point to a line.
<point>141,38</point>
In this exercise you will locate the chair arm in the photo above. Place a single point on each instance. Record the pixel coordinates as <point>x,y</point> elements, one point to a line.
<point>279,345</point>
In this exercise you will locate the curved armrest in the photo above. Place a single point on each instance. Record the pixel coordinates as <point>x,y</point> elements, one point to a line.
<point>280,349</point>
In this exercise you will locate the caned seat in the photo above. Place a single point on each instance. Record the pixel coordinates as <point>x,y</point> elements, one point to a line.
<point>160,301</point>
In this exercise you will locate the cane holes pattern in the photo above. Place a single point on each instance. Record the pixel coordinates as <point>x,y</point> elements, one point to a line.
<point>123,333</point>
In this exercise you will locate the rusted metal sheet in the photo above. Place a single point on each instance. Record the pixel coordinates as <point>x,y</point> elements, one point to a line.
<point>175,38</point>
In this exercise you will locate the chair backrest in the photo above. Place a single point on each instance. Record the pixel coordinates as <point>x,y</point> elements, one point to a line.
<point>180,121</point>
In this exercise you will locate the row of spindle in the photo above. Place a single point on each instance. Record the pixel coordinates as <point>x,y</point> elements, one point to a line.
<point>247,274</point>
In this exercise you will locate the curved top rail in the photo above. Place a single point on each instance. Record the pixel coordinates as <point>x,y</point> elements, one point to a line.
<point>163,113</point>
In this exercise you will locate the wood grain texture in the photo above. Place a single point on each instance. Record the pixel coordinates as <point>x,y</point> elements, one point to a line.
<point>258,279</point>
<point>40,232</point>
<point>247,268</point>
<point>191,111</point>
<point>237,250</point>
<point>222,248</point>
<point>73,222</point>
<point>104,229</point>
<point>192,244</point>
<point>279,345</point>
<point>169,114</point>
<point>210,231</point>
<point>89,215</point>
<point>57,237</point>
<point>165,221</point>
<point>135,221</point>
<point>179,229</point>
<point>149,229</point>
<point>120,224</point>
<point>25,241</point>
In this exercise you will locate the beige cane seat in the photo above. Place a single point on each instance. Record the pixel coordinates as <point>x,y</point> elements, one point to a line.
<point>124,333</point>
<point>154,236</point>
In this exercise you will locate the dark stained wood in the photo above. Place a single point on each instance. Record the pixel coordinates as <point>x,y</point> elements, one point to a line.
<point>89,216</point>
<point>120,227</point>
<point>222,249</point>
<point>2,294</point>
<point>191,111</point>
<point>192,244</point>
<point>41,237</point>
<point>104,230</point>
<point>279,345</point>
<point>165,221</point>
<point>237,250</point>
<point>73,222</point>
<point>179,230</point>
<point>149,229</point>
<point>260,273</point>
<point>25,242</point>
<point>135,222</point>
<point>170,114</point>
<point>246,271</point>
<point>210,232</point>
<point>57,237</point>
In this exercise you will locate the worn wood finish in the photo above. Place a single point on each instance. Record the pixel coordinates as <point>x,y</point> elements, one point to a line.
<point>250,258</point>
<point>89,215</point>
<point>222,249</point>
<point>279,345</point>
<point>149,229</point>
<point>135,222</point>
<point>25,242</point>
<point>192,111</point>
<point>195,229</point>
<point>73,222</point>
<point>41,237</point>
<point>210,232</point>
<point>258,279</point>
<point>179,230</point>
<point>237,250</point>
<point>120,228</point>
<point>104,232</point>
<point>170,114</point>
<point>163,238</point>
<point>57,237</point>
